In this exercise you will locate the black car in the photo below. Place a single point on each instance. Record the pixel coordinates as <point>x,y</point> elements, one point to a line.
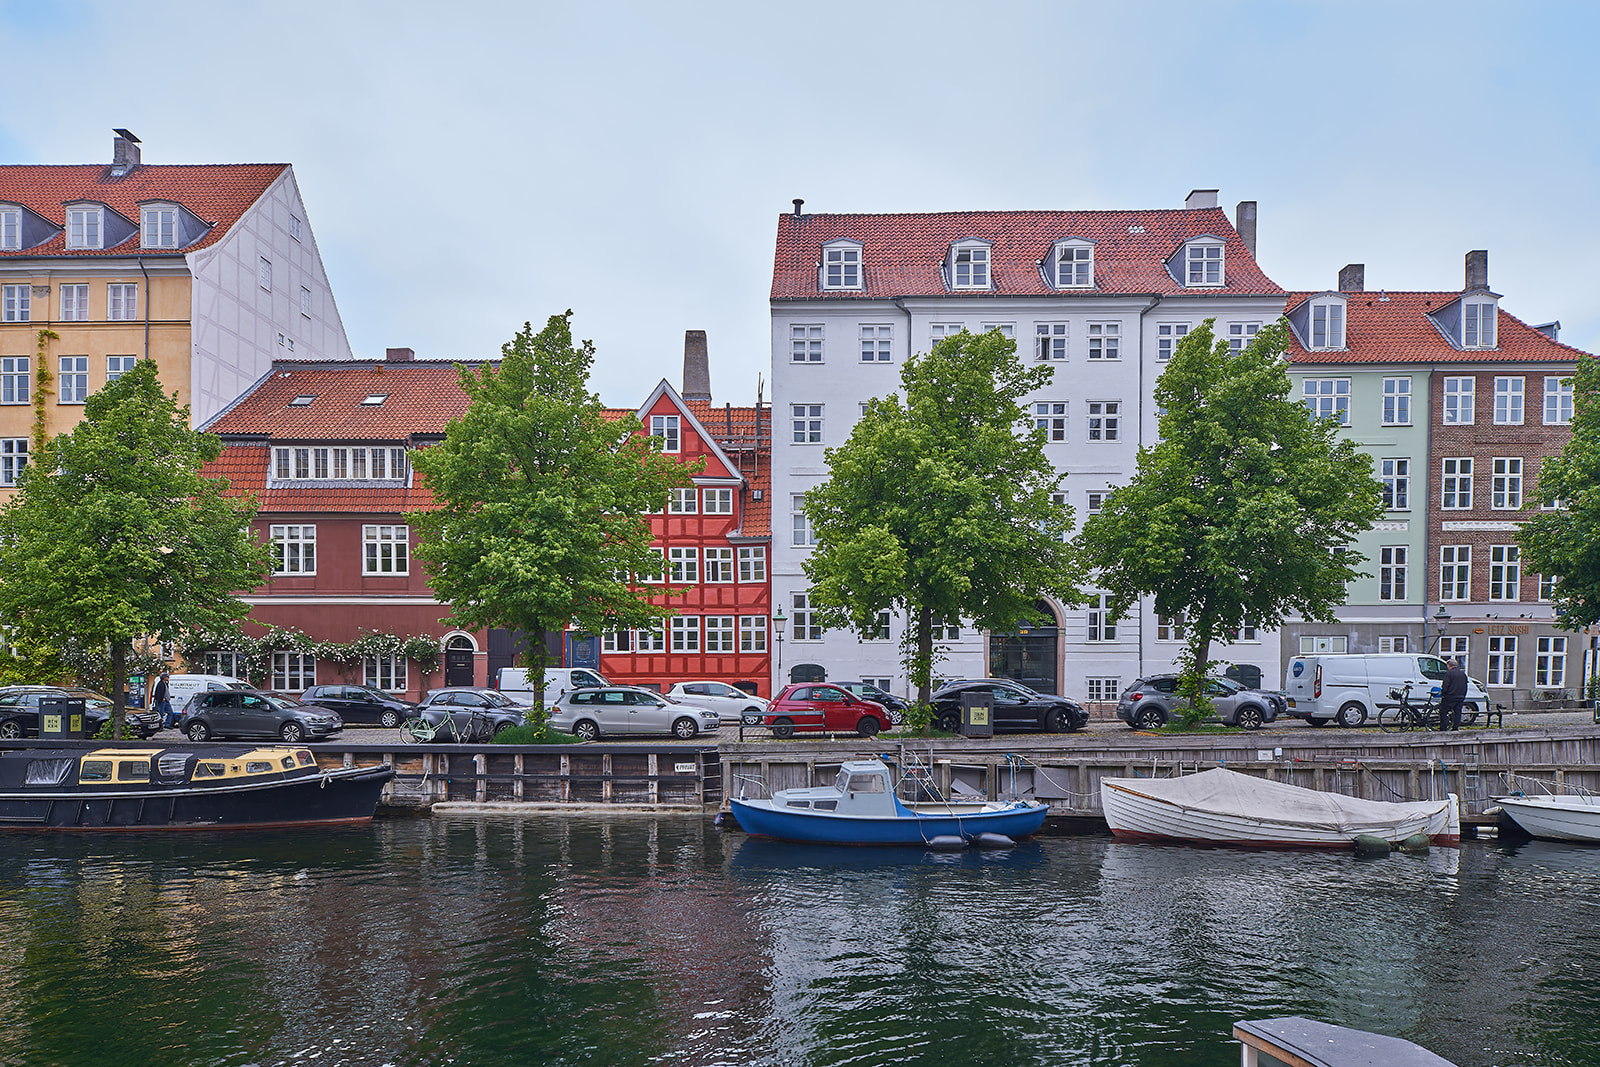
<point>895,706</point>
<point>19,709</point>
<point>253,713</point>
<point>1016,707</point>
<point>361,703</point>
<point>460,701</point>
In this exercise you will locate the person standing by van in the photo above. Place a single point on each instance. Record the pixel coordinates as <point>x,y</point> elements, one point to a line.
<point>1452,696</point>
<point>161,704</point>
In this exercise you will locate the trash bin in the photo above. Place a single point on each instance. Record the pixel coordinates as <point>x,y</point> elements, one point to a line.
<point>61,717</point>
<point>977,715</point>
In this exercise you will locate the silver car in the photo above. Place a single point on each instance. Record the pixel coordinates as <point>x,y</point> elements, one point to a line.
<point>729,703</point>
<point>1148,703</point>
<point>617,711</point>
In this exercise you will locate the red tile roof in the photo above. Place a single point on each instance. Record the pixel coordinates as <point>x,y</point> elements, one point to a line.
<point>902,254</point>
<point>421,397</point>
<point>217,194</point>
<point>245,467</point>
<point>1395,328</point>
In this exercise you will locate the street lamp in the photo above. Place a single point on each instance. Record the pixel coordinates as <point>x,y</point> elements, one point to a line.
<point>1441,619</point>
<point>779,618</point>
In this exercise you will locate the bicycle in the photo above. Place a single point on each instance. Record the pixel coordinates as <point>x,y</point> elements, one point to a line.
<point>1408,716</point>
<point>422,731</point>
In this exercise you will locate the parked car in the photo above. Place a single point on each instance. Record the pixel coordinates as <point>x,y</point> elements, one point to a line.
<point>1348,688</point>
<point>515,683</point>
<point>253,713</point>
<point>19,709</point>
<point>813,706</point>
<point>361,703</point>
<point>729,703</point>
<point>895,706</point>
<point>181,688</point>
<point>612,710</point>
<point>460,701</point>
<point>1016,707</point>
<point>1149,702</point>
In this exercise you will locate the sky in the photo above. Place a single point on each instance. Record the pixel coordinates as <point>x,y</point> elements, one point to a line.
<point>473,166</point>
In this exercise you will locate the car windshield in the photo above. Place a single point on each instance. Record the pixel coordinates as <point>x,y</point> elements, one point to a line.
<point>1229,684</point>
<point>499,700</point>
<point>280,703</point>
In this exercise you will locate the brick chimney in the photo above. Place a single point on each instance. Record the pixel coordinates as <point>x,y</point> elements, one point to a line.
<point>1353,278</point>
<point>1200,198</point>
<point>398,355</point>
<point>696,367</point>
<point>1244,221</point>
<point>1478,269</point>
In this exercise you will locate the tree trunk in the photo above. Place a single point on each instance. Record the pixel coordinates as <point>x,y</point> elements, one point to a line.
<point>540,715</point>
<point>119,671</point>
<point>922,665</point>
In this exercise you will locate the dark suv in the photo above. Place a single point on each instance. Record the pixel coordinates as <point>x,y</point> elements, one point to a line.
<point>1016,707</point>
<point>895,706</point>
<point>1149,702</point>
<point>360,703</point>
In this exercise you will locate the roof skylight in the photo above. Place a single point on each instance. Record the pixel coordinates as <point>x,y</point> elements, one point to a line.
<point>303,400</point>
<point>374,399</point>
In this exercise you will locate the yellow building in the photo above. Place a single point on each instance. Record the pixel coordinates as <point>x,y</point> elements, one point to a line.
<point>210,270</point>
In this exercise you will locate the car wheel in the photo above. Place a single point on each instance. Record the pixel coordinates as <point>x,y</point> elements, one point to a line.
<point>390,718</point>
<point>1149,719</point>
<point>896,718</point>
<point>684,728</point>
<point>1250,717</point>
<point>949,722</point>
<point>751,717</point>
<point>1469,714</point>
<point>1057,721</point>
<point>11,729</point>
<point>500,728</point>
<point>783,727</point>
<point>867,727</point>
<point>585,730</point>
<point>292,732</point>
<point>1351,713</point>
<point>198,731</point>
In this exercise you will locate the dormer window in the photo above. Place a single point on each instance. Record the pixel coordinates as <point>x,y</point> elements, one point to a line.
<point>84,225</point>
<point>160,226</point>
<point>1478,324</point>
<point>1203,262</point>
<point>969,266</point>
<point>1327,324</point>
<point>10,228</point>
<point>841,265</point>
<point>1074,264</point>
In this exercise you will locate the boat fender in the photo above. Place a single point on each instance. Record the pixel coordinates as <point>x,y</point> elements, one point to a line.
<point>947,843</point>
<point>1415,843</point>
<point>1371,845</point>
<point>994,841</point>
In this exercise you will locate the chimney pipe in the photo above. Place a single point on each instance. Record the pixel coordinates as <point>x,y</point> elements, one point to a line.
<point>124,151</point>
<point>1478,269</point>
<point>797,204</point>
<point>1353,278</point>
<point>1201,198</point>
<point>1244,221</point>
<point>398,355</point>
<point>696,367</point>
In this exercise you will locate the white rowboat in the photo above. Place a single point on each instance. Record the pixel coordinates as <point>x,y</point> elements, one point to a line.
<point>1564,818</point>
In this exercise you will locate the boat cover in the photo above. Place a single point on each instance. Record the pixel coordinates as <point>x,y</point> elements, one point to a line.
<point>1220,791</point>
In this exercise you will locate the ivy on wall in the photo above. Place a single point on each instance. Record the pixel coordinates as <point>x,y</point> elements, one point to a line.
<point>42,381</point>
<point>255,653</point>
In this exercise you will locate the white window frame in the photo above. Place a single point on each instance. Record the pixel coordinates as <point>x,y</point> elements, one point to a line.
<point>879,630</point>
<point>1397,401</point>
<point>1455,572</point>
<point>718,565</point>
<point>616,642</point>
<point>752,633</point>
<point>1392,572</point>
<point>840,269</point>
<point>683,501</point>
<point>1074,260</point>
<point>1550,662</point>
<point>10,229</point>
<point>1105,341</point>
<point>1479,319</point>
<point>721,634</point>
<point>1547,588</point>
<point>1505,573</point>
<point>1102,690</point>
<point>1327,398</point>
<point>73,380</point>
<point>1326,325</point>
<point>85,227</point>
<point>668,429</point>
<point>1558,401</point>
<point>1502,663</point>
<point>385,549</point>
<point>805,342</point>
<point>305,301</point>
<point>1505,483</point>
<point>294,548</point>
<point>1395,474</point>
<point>877,343</point>
<point>939,331</point>
<point>1456,647</point>
<point>1240,334</point>
<point>117,366</point>
<point>806,626</point>
<point>1095,501</point>
<point>264,273</point>
<point>1050,341</point>
<point>804,536</point>
<point>160,222</point>
<point>1508,395</point>
<point>1171,629</point>
<point>805,422</point>
<point>122,301</point>
<point>75,302</point>
<point>651,638</point>
<point>717,502</point>
<point>971,268</point>
<point>224,662</point>
<point>1395,643</point>
<point>659,574</point>
<point>683,566</point>
<point>13,458</point>
<point>16,379</point>
<point>1459,396</point>
<point>1204,264</point>
<point>1313,644</point>
<point>752,563</point>
<point>294,226</point>
<point>18,303</point>
<point>1098,626</point>
<point>1051,417</point>
<point>1168,336</point>
<point>293,672</point>
<point>1455,483</point>
<point>387,673</point>
<point>1104,420</point>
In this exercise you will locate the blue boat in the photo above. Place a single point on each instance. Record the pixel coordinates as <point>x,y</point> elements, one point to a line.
<point>861,808</point>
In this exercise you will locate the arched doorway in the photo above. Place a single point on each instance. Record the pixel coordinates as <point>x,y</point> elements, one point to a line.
<point>459,652</point>
<point>807,672</point>
<point>1030,655</point>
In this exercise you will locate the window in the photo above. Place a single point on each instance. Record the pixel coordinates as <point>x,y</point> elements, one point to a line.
<point>293,672</point>
<point>807,423</point>
<point>807,624</point>
<point>1392,572</point>
<point>1205,264</point>
<point>1169,629</point>
<point>83,227</point>
<point>879,630</point>
<point>719,633</point>
<point>160,227</point>
<point>1396,478</point>
<point>1074,266</point>
<point>1100,627</point>
<point>10,229</point>
<point>719,501</point>
<point>655,566</point>
<point>74,303</point>
<point>13,457</point>
<point>1311,645</point>
<point>385,672</point>
<point>1096,502</point>
<point>970,267</point>
<point>683,501</point>
<point>1327,324</point>
<point>1397,401</point>
<point>1247,631</point>
<point>122,301</point>
<point>753,563</point>
<point>752,633</point>
<point>938,331</point>
<point>683,566</point>
<point>944,629</point>
<point>1168,334</point>
<point>1451,647</point>
<point>1508,401</point>
<point>294,227</point>
<point>805,344</point>
<point>1547,587</point>
<point>1103,419</point>
<point>1455,484</point>
<point>1455,572</point>
<point>842,268</point>
<point>264,273</point>
<point>226,663</point>
<point>1557,401</point>
<point>18,303</point>
<point>877,344</point>
<point>1328,398</point>
<point>666,428</point>
<point>719,564</point>
<point>74,379</point>
<point>1050,340</point>
<point>1051,417</point>
<point>616,641</point>
<point>1458,394</point>
<point>1102,689</point>
<point>117,366</point>
<point>305,301</point>
<point>1505,572</point>
<point>1477,325</point>
<point>1502,661</point>
<point>1550,662</point>
<point>372,400</point>
<point>651,638</point>
<point>387,549</point>
<point>1103,340</point>
<point>802,527</point>
<point>1505,486</point>
<point>14,378</point>
<point>1240,334</point>
<point>294,549</point>
<point>302,463</point>
<point>1396,643</point>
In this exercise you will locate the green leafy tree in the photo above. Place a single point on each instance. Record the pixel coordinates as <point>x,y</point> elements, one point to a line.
<point>114,534</point>
<point>941,507</point>
<point>1566,542</point>
<point>1245,509</point>
<point>539,495</point>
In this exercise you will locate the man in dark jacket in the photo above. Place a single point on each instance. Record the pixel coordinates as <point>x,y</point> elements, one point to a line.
<point>1452,696</point>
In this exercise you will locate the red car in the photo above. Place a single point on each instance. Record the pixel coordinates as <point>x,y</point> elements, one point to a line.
<point>821,707</point>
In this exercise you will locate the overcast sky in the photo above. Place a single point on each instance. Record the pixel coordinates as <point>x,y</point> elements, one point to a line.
<point>470,166</point>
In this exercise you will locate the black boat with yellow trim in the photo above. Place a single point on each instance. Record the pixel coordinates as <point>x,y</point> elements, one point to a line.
<point>210,787</point>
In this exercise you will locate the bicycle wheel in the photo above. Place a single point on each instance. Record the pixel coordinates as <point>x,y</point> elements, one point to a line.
<point>1391,720</point>
<point>416,731</point>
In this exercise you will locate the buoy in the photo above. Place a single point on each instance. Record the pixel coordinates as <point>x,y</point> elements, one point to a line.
<point>1415,843</point>
<point>994,841</point>
<point>947,843</point>
<point>1371,845</point>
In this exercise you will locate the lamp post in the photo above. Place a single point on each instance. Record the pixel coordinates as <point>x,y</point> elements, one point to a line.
<point>1441,620</point>
<point>779,618</point>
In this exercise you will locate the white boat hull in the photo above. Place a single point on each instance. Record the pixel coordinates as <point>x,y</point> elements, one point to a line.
<point>1562,818</point>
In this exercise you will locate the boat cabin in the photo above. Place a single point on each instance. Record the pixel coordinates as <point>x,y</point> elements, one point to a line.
<point>1294,1041</point>
<point>862,787</point>
<point>121,768</point>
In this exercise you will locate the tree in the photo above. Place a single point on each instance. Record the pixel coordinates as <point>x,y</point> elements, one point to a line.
<point>1245,509</point>
<point>941,507</point>
<point>1566,542</point>
<point>539,495</point>
<point>115,535</point>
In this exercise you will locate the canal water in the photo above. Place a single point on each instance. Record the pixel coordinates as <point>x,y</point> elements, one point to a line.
<point>629,940</point>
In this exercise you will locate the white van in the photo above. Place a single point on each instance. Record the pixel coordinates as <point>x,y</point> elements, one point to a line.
<point>181,688</point>
<point>1348,688</point>
<point>513,682</point>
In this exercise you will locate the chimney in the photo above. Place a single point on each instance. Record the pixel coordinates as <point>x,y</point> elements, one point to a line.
<point>1244,221</point>
<point>1353,278</point>
<point>398,355</point>
<point>124,151</point>
<point>696,367</point>
<point>1478,269</point>
<point>798,204</point>
<point>1200,198</point>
